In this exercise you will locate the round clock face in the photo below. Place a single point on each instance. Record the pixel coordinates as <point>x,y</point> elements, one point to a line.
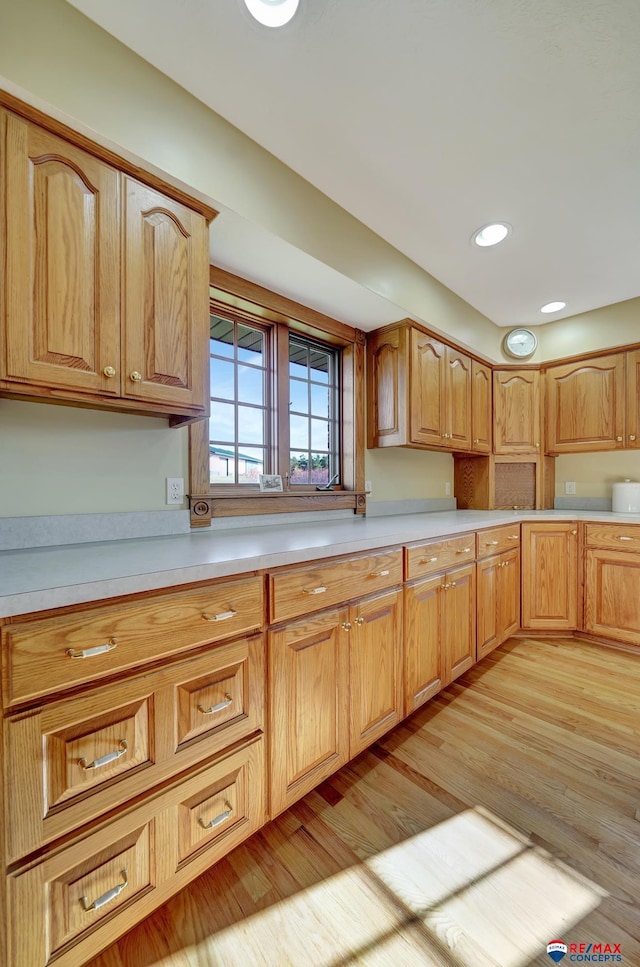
<point>520,343</point>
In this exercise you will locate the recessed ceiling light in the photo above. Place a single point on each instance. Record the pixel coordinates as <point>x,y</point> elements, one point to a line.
<point>553,307</point>
<point>492,234</point>
<point>272,13</point>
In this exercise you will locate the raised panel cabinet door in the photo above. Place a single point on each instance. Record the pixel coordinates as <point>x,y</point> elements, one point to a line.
<point>459,621</point>
<point>612,595</point>
<point>166,300</point>
<point>375,662</point>
<point>509,594</point>
<point>516,401</point>
<point>481,408</point>
<point>488,628</point>
<point>387,373</point>
<point>427,394</point>
<point>458,399</point>
<point>62,256</point>
<point>585,406</point>
<point>633,399</point>
<point>308,698</point>
<point>549,576</point>
<point>423,640</point>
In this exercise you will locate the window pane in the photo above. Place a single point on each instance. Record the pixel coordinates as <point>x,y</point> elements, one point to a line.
<point>250,464</point>
<point>298,396</point>
<point>250,425</point>
<point>298,360</point>
<point>222,373</point>
<point>319,401</point>
<point>299,432</point>
<point>221,464</point>
<point>250,345</point>
<point>298,467</point>
<point>319,468</point>
<point>320,435</point>
<point>221,422</point>
<point>250,385</point>
<point>221,332</point>
<point>319,362</point>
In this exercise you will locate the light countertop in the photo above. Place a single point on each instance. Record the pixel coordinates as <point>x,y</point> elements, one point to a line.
<point>37,579</point>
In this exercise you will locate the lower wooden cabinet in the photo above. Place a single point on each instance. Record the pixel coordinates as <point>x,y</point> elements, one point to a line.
<point>498,600</point>
<point>335,687</point>
<point>550,576</point>
<point>612,594</point>
<point>440,632</point>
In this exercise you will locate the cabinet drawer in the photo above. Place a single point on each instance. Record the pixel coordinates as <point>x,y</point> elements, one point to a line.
<point>297,592</point>
<point>81,899</point>
<point>81,757</point>
<point>619,537</point>
<point>498,539</point>
<point>54,653</point>
<point>434,556</point>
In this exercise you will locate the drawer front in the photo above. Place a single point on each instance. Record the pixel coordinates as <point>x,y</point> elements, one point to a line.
<point>82,898</point>
<point>618,537</point>
<point>434,556</point>
<point>498,539</point>
<point>296,592</point>
<point>81,757</point>
<point>55,653</point>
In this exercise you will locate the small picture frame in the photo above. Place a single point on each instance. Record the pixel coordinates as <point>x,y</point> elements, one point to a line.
<point>270,483</point>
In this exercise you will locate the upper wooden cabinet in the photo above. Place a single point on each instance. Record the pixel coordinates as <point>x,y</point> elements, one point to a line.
<point>481,407</point>
<point>419,391</point>
<point>585,404</point>
<point>106,282</point>
<point>516,402</point>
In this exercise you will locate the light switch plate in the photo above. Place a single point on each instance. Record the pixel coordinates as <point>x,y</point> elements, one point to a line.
<point>569,486</point>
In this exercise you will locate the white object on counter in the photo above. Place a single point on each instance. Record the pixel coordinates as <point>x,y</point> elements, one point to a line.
<point>626,498</point>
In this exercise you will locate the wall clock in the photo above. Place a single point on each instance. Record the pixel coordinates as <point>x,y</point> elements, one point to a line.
<point>520,343</point>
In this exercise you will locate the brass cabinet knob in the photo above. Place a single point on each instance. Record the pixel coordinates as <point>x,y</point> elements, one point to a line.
<point>537,445</point>
<point>109,372</point>
<point>135,376</point>
<point>632,436</point>
<point>619,439</point>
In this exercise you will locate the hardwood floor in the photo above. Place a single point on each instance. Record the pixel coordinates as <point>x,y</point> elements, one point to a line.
<point>502,816</point>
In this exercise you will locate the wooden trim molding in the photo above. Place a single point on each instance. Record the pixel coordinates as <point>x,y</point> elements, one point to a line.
<point>204,507</point>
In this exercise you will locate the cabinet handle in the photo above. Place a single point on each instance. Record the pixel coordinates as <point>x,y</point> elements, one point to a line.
<point>619,439</point>
<point>477,440</point>
<point>218,819</point>
<point>443,587</point>
<point>537,445</point>
<point>513,537</point>
<point>490,543</point>
<point>381,574</point>
<point>632,436</point>
<point>96,650</point>
<point>223,616</point>
<point>621,537</point>
<point>109,372</point>
<point>104,760</point>
<point>359,621</point>
<point>574,533</point>
<point>106,897</point>
<point>135,376</point>
<point>319,590</point>
<point>453,584</point>
<point>464,550</point>
<point>218,707</point>
<point>346,625</point>
<point>428,560</point>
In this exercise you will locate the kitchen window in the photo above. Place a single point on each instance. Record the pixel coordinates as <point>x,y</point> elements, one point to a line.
<point>286,398</point>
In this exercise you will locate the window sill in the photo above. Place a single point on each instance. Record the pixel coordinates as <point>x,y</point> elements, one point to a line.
<point>203,508</point>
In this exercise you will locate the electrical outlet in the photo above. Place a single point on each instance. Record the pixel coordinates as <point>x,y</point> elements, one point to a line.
<point>447,489</point>
<point>175,490</point>
<point>569,486</point>
<point>368,486</point>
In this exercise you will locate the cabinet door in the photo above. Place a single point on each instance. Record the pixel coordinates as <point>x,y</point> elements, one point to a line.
<point>488,630</point>
<point>423,641</point>
<point>62,264</point>
<point>481,408</point>
<point>459,621</point>
<point>549,576</point>
<point>427,396</point>
<point>166,301</point>
<point>387,375</point>
<point>612,595</point>
<point>375,649</point>
<point>585,405</point>
<point>516,400</point>
<point>509,595</point>
<point>308,690</point>
<point>633,399</point>
<point>457,406</point>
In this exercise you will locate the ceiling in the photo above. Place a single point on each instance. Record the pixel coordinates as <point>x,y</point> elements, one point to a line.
<point>427,119</point>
